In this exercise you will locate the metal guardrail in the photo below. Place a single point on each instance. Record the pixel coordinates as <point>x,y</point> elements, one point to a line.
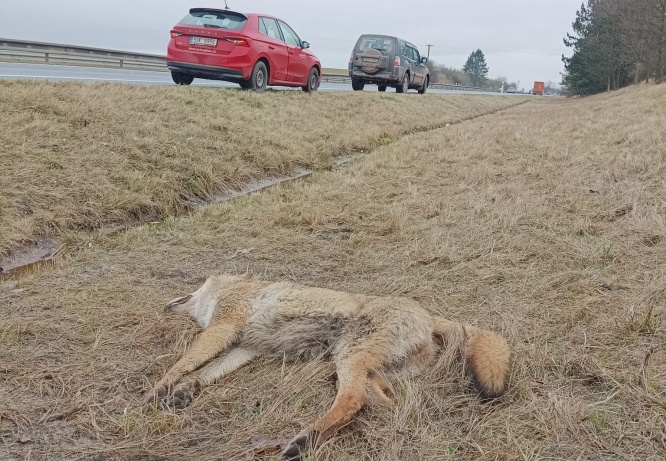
<point>52,53</point>
<point>446,86</point>
<point>330,78</point>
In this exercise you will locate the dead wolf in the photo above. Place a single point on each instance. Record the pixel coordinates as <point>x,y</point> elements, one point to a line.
<point>243,318</point>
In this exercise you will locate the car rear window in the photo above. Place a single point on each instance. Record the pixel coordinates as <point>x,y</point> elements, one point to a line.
<point>228,20</point>
<point>384,44</point>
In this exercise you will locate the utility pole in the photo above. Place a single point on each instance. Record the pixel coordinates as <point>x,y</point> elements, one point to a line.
<point>429,46</point>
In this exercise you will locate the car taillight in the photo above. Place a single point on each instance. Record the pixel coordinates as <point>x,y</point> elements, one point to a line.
<point>396,61</point>
<point>239,41</point>
<point>351,58</point>
<point>175,34</point>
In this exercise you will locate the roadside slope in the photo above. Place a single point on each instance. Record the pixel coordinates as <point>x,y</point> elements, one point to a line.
<point>545,222</point>
<point>81,156</point>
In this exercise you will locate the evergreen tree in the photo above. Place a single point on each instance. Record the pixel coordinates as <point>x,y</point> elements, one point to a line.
<point>600,61</point>
<point>476,68</point>
<point>580,76</point>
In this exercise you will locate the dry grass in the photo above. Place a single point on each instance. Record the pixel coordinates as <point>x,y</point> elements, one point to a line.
<point>79,156</point>
<point>545,222</point>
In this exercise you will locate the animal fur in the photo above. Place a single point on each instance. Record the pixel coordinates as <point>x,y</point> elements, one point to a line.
<point>244,318</point>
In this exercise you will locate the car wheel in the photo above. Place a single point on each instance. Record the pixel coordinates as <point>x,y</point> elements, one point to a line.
<point>404,85</point>
<point>425,85</point>
<point>382,88</point>
<point>357,85</point>
<point>181,79</point>
<point>258,78</point>
<point>313,81</point>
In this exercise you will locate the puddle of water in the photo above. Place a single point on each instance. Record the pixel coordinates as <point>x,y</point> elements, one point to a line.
<point>113,229</point>
<point>255,186</point>
<point>340,233</point>
<point>343,162</point>
<point>36,255</point>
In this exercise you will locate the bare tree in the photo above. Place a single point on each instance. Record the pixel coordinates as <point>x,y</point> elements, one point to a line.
<point>643,34</point>
<point>658,10</point>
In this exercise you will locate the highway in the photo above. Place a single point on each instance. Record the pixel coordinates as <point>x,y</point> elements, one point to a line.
<point>61,73</point>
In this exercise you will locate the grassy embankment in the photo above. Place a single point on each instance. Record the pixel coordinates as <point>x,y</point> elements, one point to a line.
<point>546,222</point>
<point>79,156</point>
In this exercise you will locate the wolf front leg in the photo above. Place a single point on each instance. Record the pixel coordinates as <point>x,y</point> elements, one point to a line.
<point>184,392</point>
<point>210,343</point>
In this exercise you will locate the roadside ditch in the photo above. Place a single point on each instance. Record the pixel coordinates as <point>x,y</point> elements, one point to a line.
<point>46,252</point>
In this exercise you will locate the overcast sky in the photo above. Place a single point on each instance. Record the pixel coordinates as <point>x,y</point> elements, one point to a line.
<point>522,39</point>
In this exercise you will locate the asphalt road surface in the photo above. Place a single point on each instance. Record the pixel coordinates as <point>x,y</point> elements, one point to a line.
<point>58,73</point>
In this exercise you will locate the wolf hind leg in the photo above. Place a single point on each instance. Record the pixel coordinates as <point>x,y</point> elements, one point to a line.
<point>380,390</point>
<point>183,393</point>
<point>351,397</point>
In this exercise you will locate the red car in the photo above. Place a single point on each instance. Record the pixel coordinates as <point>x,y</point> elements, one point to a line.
<point>253,50</point>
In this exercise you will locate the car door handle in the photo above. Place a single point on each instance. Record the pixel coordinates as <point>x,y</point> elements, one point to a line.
<point>271,47</point>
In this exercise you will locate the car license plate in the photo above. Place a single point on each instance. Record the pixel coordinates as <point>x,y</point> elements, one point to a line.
<point>204,41</point>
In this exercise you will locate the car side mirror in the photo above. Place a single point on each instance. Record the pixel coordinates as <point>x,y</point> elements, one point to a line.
<point>424,60</point>
<point>305,44</point>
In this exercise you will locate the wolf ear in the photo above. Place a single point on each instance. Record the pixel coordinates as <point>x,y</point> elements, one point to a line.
<point>247,276</point>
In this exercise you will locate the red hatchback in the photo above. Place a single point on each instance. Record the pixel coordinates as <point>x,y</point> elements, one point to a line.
<point>253,50</point>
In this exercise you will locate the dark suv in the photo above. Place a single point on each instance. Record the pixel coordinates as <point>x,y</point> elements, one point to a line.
<point>388,61</point>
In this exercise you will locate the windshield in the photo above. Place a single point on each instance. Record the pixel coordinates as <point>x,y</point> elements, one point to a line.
<point>216,19</point>
<point>384,44</point>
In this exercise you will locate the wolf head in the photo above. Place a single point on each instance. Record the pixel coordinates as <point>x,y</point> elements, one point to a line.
<point>201,304</point>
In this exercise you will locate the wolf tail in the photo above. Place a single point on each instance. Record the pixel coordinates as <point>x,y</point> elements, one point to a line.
<point>486,354</point>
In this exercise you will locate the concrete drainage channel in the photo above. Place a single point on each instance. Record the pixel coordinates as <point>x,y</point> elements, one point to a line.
<point>46,251</point>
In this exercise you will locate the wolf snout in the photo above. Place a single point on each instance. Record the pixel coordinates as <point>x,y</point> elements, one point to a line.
<point>176,302</point>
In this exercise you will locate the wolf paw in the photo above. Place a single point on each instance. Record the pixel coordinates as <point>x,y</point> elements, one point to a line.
<point>297,447</point>
<point>300,445</point>
<point>182,397</point>
<point>156,395</point>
